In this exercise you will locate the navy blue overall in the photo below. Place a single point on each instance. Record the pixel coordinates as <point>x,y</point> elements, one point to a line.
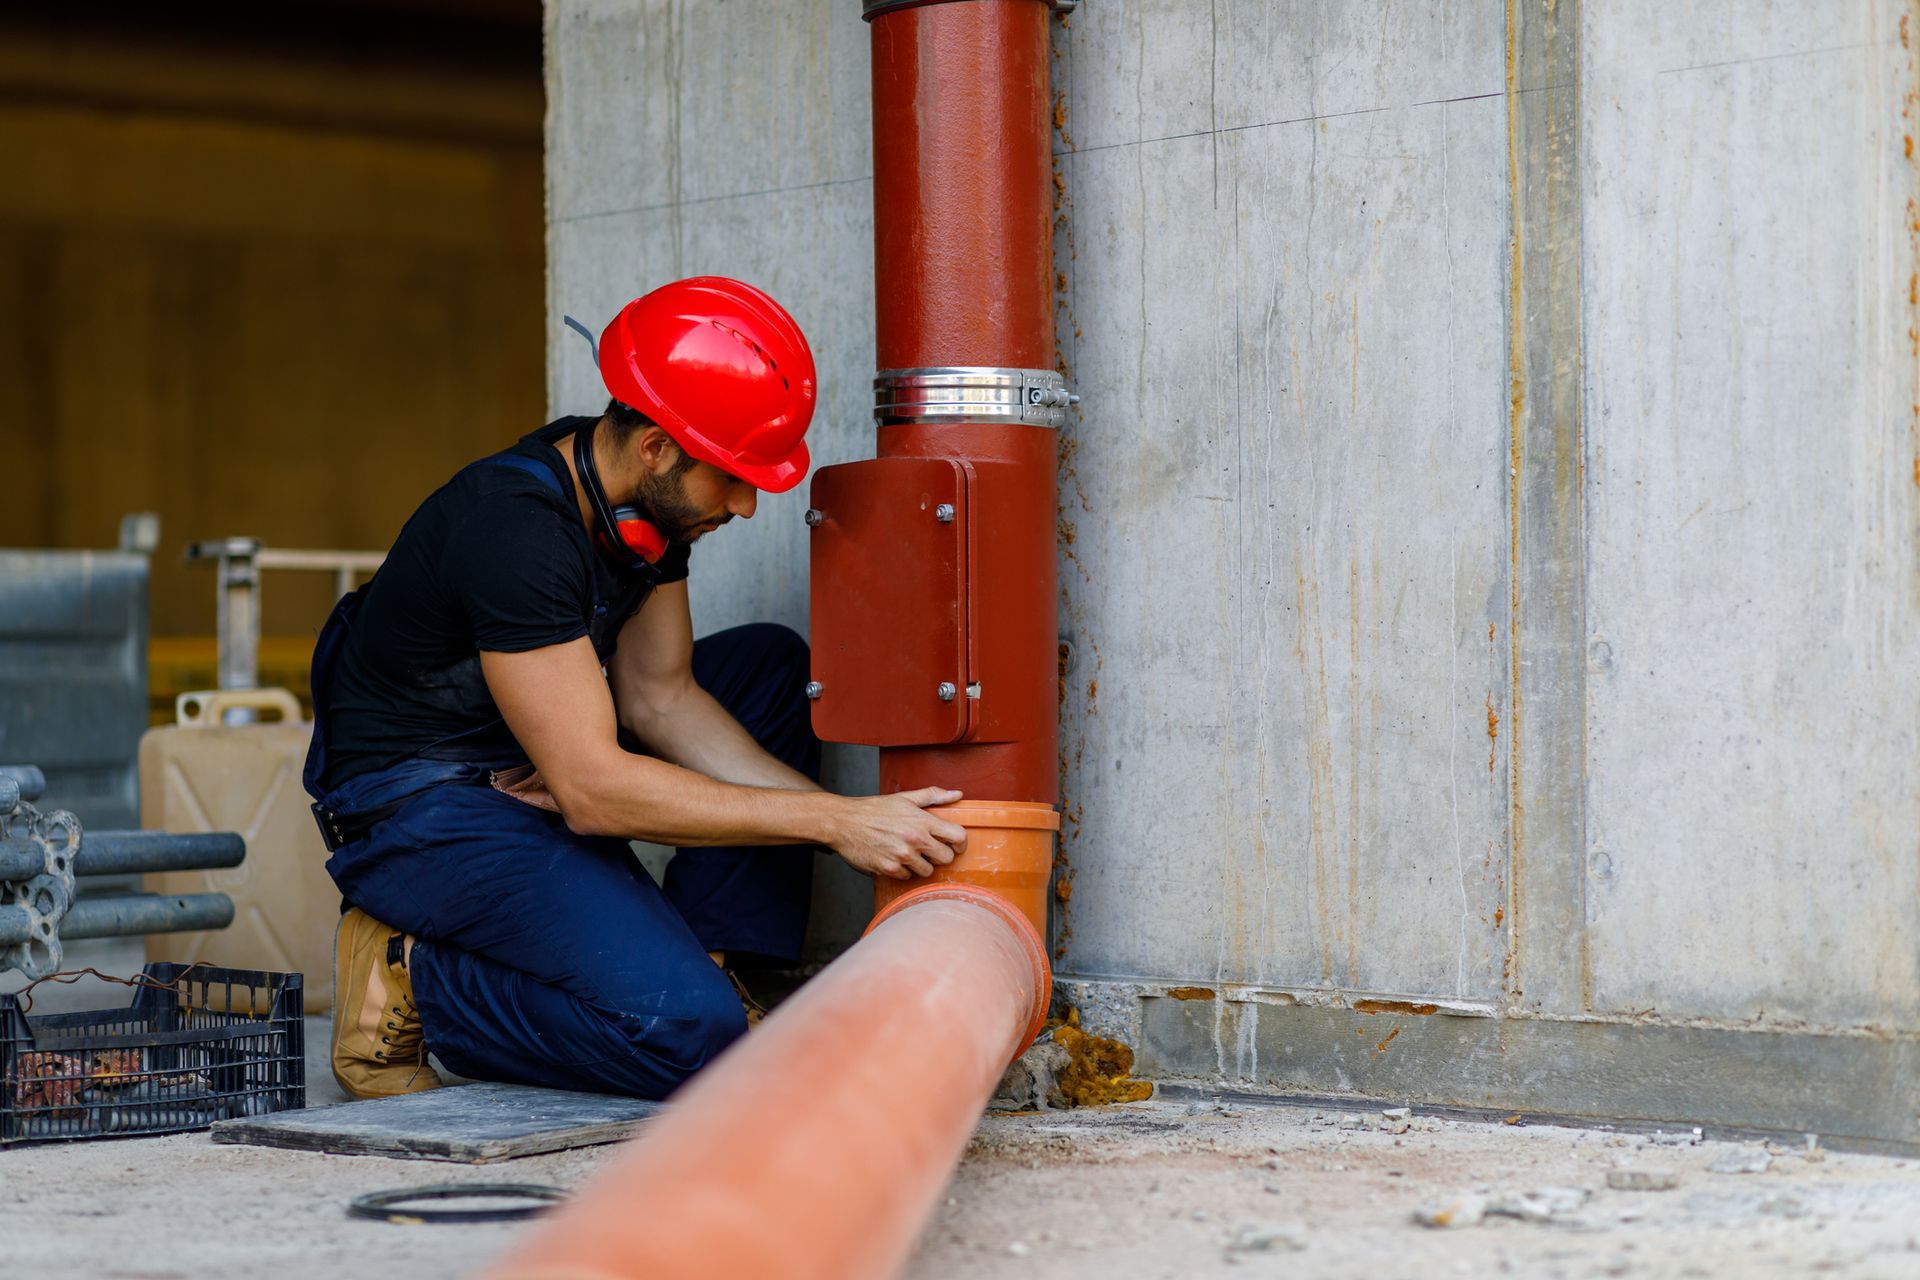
<point>549,958</point>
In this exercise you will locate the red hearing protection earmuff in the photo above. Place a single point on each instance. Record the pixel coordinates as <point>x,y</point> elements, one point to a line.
<point>638,534</point>
<point>621,532</point>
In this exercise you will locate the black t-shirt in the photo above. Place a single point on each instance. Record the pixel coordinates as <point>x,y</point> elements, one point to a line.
<point>497,558</point>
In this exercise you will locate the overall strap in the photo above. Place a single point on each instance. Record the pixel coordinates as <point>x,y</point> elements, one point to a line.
<point>532,466</point>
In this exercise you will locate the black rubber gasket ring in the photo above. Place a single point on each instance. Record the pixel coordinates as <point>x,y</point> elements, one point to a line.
<point>383,1206</point>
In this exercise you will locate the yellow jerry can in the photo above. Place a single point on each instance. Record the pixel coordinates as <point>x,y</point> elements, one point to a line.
<point>202,774</point>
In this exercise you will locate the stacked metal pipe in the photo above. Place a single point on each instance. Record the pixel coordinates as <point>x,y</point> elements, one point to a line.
<point>42,854</point>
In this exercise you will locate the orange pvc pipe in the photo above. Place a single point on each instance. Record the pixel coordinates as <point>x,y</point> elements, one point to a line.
<point>816,1147</point>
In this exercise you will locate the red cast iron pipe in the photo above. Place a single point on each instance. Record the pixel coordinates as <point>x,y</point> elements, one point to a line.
<point>963,275</point>
<point>962,168</point>
<point>815,1148</point>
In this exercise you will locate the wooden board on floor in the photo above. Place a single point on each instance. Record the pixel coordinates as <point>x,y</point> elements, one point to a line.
<point>469,1123</point>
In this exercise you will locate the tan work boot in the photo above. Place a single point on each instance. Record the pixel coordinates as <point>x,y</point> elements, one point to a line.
<point>755,1011</point>
<point>378,1048</point>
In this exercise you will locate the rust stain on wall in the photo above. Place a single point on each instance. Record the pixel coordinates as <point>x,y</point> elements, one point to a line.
<point>1190,993</point>
<point>1353,760</point>
<point>1395,1006</point>
<point>1516,408</point>
<point>1907,104</point>
<point>1310,652</point>
<point>1382,1046</point>
<point>1493,733</point>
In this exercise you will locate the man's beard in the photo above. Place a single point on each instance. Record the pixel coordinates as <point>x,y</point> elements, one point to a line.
<point>663,501</point>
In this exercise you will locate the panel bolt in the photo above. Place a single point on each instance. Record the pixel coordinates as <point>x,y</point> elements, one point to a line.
<point>947,690</point>
<point>815,517</point>
<point>815,689</point>
<point>944,513</point>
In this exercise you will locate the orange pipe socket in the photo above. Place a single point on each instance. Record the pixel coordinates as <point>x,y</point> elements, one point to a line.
<point>816,1147</point>
<point>1009,850</point>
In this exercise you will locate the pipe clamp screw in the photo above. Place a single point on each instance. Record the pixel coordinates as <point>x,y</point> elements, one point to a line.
<point>815,689</point>
<point>947,690</point>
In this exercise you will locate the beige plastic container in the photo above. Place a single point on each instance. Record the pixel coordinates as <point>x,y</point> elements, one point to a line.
<point>203,775</point>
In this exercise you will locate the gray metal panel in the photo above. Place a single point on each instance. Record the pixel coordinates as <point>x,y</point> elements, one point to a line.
<point>1754,512</point>
<point>73,676</point>
<point>1283,512</point>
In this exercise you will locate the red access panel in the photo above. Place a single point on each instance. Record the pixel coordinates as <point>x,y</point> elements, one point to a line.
<point>889,617</point>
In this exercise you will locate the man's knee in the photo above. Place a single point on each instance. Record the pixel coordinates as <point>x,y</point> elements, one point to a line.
<point>779,647</point>
<point>698,1035</point>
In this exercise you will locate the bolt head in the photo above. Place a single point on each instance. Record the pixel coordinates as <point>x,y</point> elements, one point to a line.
<point>815,517</point>
<point>944,513</point>
<point>815,689</point>
<point>947,690</point>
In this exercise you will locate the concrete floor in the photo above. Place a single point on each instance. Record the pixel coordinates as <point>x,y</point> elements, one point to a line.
<point>1170,1188</point>
<point>1157,1189</point>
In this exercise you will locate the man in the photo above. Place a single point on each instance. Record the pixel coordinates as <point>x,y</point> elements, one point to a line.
<point>517,694</point>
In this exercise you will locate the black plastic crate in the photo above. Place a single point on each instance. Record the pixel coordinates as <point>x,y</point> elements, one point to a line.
<point>198,1044</point>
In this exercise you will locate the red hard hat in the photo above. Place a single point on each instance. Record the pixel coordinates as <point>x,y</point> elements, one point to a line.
<point>723,369</point>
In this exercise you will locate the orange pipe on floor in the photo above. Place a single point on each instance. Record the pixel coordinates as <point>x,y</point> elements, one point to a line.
<point>815,1148</point>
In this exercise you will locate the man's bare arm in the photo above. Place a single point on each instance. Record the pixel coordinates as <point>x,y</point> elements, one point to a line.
<point>555,701</point>
<point>660,703</point>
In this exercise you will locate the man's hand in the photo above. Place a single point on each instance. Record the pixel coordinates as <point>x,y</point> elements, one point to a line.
<point>895,836</point>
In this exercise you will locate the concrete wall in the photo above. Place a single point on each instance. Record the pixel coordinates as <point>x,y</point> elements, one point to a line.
<point>1489,534</point>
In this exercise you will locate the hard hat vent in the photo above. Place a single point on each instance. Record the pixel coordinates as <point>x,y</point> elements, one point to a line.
<point>754,347</point>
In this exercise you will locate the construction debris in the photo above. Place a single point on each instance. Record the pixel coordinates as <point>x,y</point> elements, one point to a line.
<point>1539,1204</point>
<point>1032,1077</point>
<point>1642,1179</point>
<point>1265,1238</point>
<point>1068,1067</point>
<point>1687,1138</point>
<point>1742,1160</point>
<point>1465,1210</point>
<point>1471,1208</point>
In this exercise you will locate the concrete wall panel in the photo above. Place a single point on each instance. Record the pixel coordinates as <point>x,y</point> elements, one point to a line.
<point>1751,512</point>
<point>1285,541</point>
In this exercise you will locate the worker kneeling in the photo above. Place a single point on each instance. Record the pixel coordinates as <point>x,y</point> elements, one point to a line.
<point>517,694</point>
